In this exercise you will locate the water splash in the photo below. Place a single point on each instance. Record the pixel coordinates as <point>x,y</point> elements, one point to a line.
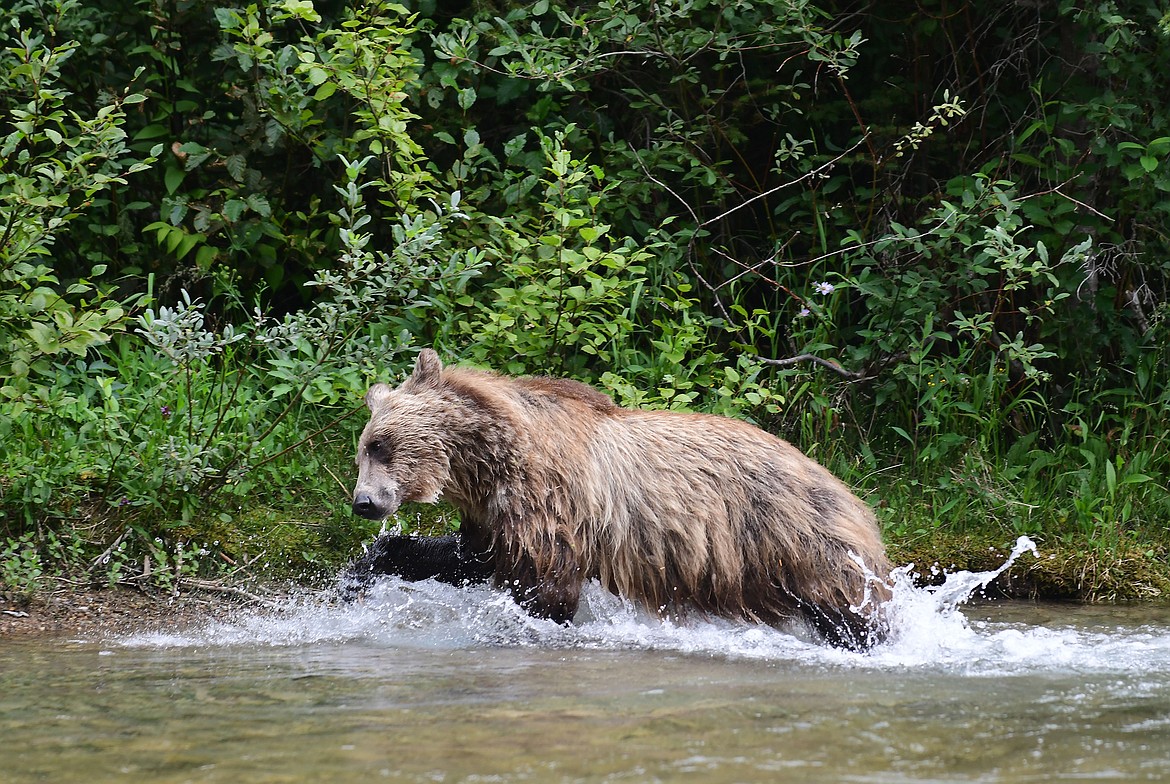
<point>928,630</point>
<point>959,587</point>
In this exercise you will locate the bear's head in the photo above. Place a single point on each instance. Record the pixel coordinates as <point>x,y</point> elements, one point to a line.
<point>401,454</point>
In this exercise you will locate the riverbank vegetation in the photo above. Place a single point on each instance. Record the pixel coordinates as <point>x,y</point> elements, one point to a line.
<point>927,243</point>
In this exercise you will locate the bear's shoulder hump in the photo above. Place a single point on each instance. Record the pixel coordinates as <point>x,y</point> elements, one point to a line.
<point>564,389</point>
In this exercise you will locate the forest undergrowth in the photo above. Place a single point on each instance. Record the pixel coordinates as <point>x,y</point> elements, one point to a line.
<point>928,249</point>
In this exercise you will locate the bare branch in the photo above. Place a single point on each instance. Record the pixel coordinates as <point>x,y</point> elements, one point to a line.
<point>663,185</point>
<point>104,557</point>
<point>828,364</point>
<point>807,175</point>
<point>212,586</point>
<point>1057,190</point>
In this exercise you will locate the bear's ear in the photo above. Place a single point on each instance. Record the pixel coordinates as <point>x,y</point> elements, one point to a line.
<point>377,395</point>
<point>428,369</point>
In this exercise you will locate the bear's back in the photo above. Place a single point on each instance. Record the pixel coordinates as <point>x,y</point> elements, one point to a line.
<point>537,393</point>
<point>540,390</point>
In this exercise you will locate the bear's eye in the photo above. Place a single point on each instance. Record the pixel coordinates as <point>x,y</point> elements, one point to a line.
<point>379,449</point>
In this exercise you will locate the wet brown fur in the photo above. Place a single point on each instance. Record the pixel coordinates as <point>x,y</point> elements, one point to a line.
<point>677,512</point>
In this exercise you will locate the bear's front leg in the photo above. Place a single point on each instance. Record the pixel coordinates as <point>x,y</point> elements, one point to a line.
<point>413,558</point>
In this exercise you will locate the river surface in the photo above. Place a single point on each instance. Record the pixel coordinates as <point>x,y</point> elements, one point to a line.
<point>427,683</point>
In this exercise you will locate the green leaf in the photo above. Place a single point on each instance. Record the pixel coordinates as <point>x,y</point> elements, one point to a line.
<point>173,178</point>
<point>174,238</point>
<point>302,9</point>
<point>236,166</point>
<point>44,336</point>
<point>259,205</point>
<point>193,148</point>
<point>515,145</point>
<point>233,209</point>
<point>185,246</point>
<point>159,227</point>
<point>324,91</point>
<point>204,256</point>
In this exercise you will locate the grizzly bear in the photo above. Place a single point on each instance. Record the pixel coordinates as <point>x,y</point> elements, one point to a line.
<point>556,484</point>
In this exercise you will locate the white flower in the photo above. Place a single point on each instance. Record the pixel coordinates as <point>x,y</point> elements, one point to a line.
<point>824,287</point>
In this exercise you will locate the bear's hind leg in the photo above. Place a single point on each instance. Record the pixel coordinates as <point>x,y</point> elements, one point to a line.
<point>843,628</point>
<point>544,600</point>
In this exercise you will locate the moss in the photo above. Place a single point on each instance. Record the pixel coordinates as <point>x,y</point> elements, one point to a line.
<point>1066,569</point>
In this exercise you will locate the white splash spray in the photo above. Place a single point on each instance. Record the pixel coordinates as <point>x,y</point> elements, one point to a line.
<point>928,631</point>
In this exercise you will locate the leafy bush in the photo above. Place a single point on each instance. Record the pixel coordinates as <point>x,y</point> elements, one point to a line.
<point>916,245</point>
<point>53,162</point>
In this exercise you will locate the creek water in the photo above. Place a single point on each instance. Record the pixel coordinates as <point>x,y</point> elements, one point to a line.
<point>428,683</point>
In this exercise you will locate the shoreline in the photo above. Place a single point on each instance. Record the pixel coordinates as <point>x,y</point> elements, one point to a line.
<point>1060,574</point>
<point>96,613</point>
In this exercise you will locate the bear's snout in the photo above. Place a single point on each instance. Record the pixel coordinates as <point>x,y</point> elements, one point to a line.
<point>365,506</point>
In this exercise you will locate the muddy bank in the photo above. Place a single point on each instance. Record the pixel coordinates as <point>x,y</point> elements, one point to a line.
<point>98,613</point>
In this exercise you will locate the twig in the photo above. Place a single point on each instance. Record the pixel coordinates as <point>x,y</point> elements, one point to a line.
<point>207,585</point>
<point>877,471</point>
<point>664,186</point>
<point>690,245</point>
<point>235,570</point>
<point>1057,190</point>
<point>815,172</point>
<point>340,484</point>
<point>828,364</point>
<point>67,581</point>
<point>106,553</point>
<point>178,568</point>
<point>755,269</point>
<point>1096,212</point>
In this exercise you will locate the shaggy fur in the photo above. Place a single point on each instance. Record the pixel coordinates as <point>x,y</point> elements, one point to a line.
<point>557,485</point>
